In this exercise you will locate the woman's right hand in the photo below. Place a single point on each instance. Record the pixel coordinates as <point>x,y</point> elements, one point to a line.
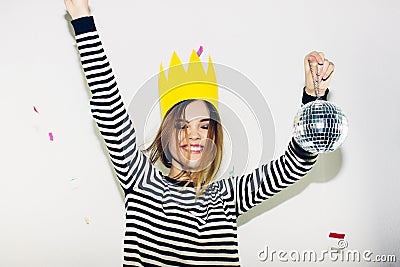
<point>77,8</point>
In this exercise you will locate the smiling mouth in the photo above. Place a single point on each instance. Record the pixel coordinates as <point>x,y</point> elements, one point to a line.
<point>194,149</point>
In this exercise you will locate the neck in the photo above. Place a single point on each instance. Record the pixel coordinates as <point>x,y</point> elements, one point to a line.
<point>175,171</point>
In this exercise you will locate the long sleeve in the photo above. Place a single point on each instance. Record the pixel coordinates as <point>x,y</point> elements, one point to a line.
<point>309,98</point>
<point>248,190</point>
<point>107,107</point>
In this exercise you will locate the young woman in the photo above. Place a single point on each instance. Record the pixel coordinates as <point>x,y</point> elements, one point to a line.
<point>183,218</point>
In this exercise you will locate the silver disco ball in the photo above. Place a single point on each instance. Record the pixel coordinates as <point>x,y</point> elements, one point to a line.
<point>320,127</point>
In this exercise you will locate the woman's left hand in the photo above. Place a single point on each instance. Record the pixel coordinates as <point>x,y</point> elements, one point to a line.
<point>323,70</point>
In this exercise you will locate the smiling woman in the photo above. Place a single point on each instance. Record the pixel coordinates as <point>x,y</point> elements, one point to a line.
<point>189,142</point>
<point>184,218</point>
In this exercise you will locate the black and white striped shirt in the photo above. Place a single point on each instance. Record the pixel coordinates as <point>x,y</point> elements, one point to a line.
<point>164,225</point>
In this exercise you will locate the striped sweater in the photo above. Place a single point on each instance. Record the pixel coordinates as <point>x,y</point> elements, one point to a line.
<point>164,225</point>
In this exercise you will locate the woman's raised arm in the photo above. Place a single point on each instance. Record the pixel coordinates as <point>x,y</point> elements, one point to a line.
<point>107,107</point>
<point>248,190</point>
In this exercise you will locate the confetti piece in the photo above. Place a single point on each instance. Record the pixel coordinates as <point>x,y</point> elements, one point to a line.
<point>74,183</point>
<point>200,51</point>
<point>336,235</point>
<point>34,108</point>
<point>87,220</point>
<point>232,171</point>
<point>51,136</point>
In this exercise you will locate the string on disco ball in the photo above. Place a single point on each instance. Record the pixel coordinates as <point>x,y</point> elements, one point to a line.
<point>320,126</point>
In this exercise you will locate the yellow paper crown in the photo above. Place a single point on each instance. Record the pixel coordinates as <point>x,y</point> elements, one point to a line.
<point>181,85</point>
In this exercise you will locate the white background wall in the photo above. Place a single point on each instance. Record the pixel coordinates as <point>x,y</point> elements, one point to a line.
<point>47,189</point>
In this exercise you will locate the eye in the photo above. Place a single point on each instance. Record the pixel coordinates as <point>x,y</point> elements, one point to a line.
<point>181,125</point>
<point>205,126</point>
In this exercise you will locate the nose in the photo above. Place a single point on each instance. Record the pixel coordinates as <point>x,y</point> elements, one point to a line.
<point>193,133</point>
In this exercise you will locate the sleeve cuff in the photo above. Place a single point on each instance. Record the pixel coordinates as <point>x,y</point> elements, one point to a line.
<point>309,98</point>
<point>83,25</point>
<point>301,152</point>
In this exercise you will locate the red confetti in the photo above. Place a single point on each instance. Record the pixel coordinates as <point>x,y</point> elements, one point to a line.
<point>34,108</point>
<point>336,235</point>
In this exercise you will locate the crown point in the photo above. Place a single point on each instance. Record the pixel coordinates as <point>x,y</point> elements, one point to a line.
<point>211,70</point>
<point>194,57</point>
<point>175,60</point>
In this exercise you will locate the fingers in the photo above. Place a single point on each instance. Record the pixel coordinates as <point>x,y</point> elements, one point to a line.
<point>327,74</point>
<point>315,63</point>
<point>322,67</point>
<point>326,70</point>
<point>315,58</point>
<point>311,61</point>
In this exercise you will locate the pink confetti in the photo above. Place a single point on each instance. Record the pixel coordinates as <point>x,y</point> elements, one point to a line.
<point>51,136</point>
<point>200,51</point>
<point>34,108</point>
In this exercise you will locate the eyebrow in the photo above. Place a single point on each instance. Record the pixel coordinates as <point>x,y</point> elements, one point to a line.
<point>202,120</point>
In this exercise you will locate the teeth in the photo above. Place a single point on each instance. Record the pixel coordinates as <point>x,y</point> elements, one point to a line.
<point>194,148</point>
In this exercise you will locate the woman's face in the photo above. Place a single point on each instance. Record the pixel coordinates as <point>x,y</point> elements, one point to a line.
<point>195,150</point>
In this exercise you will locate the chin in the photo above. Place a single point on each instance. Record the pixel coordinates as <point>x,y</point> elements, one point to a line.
<point>192,165</point>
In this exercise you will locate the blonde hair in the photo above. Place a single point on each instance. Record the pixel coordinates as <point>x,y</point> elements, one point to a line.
<point>159,148</point>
